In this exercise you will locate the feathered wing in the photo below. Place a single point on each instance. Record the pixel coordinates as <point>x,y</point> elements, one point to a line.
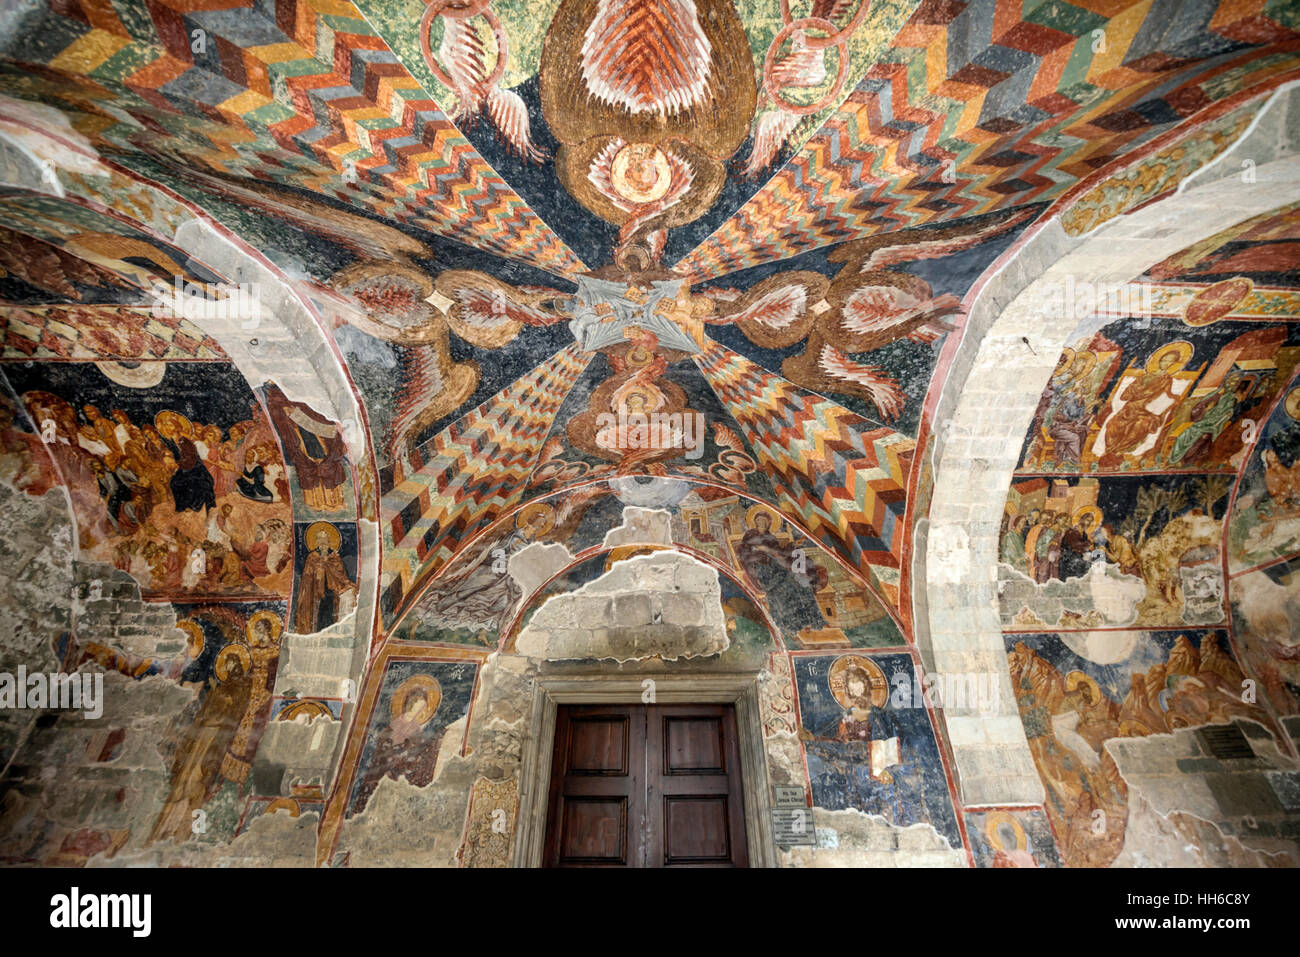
<point>726,438</point>
<point>887,249</point>
<point>873,309</point>
<point>464,56</point>
<point>420,379</point>
<point>872,382</point>
<point>771,130</point>
<point>510,117</point>
<point>647,56</point>
<point>778,308</point>
<point>490,308</point>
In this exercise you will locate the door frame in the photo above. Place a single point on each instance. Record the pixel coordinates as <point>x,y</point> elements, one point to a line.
<point>740,690</point>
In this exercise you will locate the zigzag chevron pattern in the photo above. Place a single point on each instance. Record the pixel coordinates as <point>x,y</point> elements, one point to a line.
<point>843,475</point>
<point>300,92</point>
<point>988,107</point>
<point>471,472</point>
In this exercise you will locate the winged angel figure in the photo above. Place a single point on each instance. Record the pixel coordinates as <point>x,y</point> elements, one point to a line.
<point>867,305</point>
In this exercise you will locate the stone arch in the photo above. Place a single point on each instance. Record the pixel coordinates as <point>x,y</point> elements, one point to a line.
<point>510,514</point>
<point>289,335</point>
<point>983,416</point>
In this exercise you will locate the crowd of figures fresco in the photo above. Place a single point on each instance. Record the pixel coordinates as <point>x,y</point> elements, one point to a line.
<point>182,493</point>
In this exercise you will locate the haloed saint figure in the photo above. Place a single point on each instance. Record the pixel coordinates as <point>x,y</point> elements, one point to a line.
<point>326,592</point>
<point>408,746</point>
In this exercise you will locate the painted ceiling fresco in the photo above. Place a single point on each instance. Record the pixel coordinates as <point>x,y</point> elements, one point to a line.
<point>606,279</point>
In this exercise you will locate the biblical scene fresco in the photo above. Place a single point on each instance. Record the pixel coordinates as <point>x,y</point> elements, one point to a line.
<point>1170,415</point>
<point>1078,690</point>
<point>175,473</point>
<point>1104,552</point>
<point>227,655</point>
<point>417,701</point>
<point>1125,398</point>
<point>559,249</point>
<point>1265,522</point>
<point>868,745</point>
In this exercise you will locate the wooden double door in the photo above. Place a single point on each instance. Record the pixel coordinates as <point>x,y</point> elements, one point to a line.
<point>646,786</point>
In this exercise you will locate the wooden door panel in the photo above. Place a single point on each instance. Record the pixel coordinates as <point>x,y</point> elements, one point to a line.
<point>694,745</point>
<point>599,745</point>
<point>696,830</point>
<point>646,786</point>
<point>694,796</point>
<point>596,814</point>
<point>594,831</point>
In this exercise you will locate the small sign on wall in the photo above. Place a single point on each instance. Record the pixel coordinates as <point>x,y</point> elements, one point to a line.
<point>790,797</point>
<point>794,825</point>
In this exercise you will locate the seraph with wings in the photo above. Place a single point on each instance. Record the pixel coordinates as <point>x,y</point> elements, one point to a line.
<point>868,305</point>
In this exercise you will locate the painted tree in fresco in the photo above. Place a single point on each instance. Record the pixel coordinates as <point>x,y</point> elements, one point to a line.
<point>1208,490</point>
<point>1151,502</point>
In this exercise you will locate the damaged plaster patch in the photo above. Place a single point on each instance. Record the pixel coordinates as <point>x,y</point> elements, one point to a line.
<point>276,839</point>
<point>852,839</point>
<point>536,563</point>
<point>642,526</point>
<point>1103,597</point>
<point>950,555</point>
<point>1184,840</point>
<point>665,604</point>
<point>1189,808</point>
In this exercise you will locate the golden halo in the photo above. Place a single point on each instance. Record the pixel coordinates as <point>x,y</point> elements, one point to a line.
<point>653,399</point>
<point>1182,349</point>
<point>991,831</point>
<point>424,685</point>
<point>182,425</point>
<point>1292,403</point>
<point>1063,363</point>
<point>283,804</point>
<point>196,640</point>
<point>312,709</point>
<point>1076,678</point>
<point>335,538</point>
<point>836,679</point>
<point>633,183</point>
<point>639,355</point>
<point>526,516</point>
<point>134,375</point>
<point>277,626</point>
<point>1092,510</point>
<point>752,513</point>
<point>235,650</point>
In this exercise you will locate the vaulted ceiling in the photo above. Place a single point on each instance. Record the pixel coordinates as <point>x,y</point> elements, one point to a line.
<point>497,221</point>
